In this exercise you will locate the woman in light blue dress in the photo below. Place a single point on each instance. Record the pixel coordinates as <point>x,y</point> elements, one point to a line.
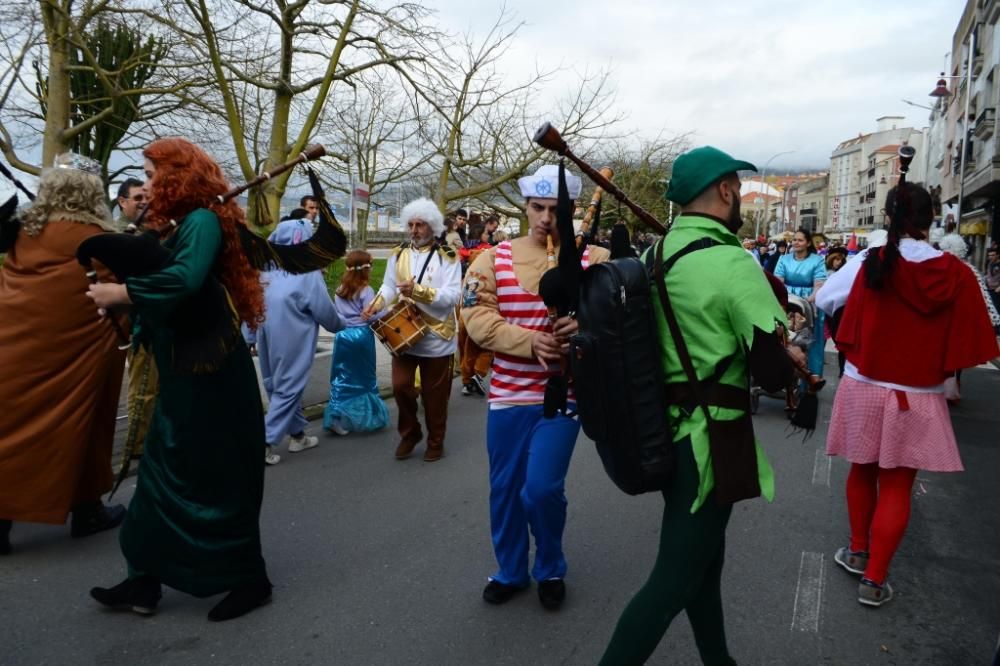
<point>355,405</point>
<point>803,271</point>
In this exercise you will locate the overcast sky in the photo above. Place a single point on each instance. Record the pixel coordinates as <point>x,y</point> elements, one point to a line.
<point>754,78</point>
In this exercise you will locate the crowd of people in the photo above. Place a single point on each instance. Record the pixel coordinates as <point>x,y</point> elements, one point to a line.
<point>203,438</point>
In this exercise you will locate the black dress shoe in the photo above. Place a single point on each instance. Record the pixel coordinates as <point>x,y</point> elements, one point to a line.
<point>241,601</point>
<point>5,526</point>
<point>139,594</point>
<point>496,592</point>
<point>551,593</point>
<point>93,518</point>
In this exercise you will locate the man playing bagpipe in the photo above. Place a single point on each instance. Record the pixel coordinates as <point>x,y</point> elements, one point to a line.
<point>727,316</point>
<point>529,454</point>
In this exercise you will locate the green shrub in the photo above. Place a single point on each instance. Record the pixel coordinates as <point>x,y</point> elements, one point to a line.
<point>334,272</point>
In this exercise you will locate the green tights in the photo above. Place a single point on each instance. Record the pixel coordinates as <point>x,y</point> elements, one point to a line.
<point>686,576</point>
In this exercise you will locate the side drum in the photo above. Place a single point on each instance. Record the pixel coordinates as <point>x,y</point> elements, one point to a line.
<point>400,328</point>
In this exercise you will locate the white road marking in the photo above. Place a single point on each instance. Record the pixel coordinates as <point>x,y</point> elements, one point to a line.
<point>821,469</point>
<point>809,592</point>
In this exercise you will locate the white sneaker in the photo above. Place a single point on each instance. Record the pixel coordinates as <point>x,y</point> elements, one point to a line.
<point>338,429</point>
<point>302,443</point>
<point>271,458</point>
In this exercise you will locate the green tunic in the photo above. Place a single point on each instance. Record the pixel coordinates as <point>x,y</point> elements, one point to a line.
<point>194,520</point>
<point>719,296</point>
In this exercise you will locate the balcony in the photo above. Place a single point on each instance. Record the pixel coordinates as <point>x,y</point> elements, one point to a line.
<point>991,11</point>
<point>985,123</point>
<point>977,64</point>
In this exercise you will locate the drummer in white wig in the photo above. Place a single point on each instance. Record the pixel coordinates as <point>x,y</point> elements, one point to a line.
<point>421,274</point>
<point>529,454</point>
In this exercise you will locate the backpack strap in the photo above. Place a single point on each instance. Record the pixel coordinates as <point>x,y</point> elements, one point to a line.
<point>660,269</point>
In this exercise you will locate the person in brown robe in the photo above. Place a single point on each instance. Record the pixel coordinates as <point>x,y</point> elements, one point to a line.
<point>61,369</point>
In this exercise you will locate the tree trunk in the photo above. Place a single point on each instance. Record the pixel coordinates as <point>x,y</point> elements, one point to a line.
<point>278,141</point>
<point>57,90</point>
<point>277,153</point>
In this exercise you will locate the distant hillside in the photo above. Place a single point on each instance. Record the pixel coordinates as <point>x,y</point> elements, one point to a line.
<point>800,171</point>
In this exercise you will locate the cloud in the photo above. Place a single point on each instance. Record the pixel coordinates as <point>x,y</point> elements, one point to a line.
<point>754,78</point>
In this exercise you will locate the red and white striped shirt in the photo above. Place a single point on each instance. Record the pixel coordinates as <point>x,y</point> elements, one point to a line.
<point>516,380</point>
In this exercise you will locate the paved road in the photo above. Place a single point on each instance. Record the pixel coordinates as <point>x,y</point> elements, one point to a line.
<point>316,393</point>
<point>382,562</point>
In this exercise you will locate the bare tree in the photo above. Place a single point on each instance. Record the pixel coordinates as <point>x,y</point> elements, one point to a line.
<point>479,125</point>
<point>642,169</point>
<point>85,77</point>
<point>295,53</point>
<point>375,129</point>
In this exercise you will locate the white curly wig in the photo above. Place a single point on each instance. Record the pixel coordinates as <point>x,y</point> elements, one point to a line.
<point>953,244</point>
<point>425,210</point>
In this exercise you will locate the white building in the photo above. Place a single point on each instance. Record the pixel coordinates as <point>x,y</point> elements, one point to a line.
<point>857,168</point>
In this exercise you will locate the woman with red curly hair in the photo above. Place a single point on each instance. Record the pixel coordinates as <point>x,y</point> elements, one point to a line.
<point>193,523</point>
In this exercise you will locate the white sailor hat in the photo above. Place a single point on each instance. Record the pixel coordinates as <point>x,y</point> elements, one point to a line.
<point>545,183</point>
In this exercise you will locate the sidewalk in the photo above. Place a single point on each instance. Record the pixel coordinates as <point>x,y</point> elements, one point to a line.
<point>315,397</point>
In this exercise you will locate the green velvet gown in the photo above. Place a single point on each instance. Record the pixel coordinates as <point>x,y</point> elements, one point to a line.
<point>194,520</point>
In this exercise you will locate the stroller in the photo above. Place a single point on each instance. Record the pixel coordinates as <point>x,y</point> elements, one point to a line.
<point>801,319</point>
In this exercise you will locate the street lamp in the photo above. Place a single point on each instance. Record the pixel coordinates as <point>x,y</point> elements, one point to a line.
<point>763,184</point>
<point>919,106</point>
<point>941,90</point>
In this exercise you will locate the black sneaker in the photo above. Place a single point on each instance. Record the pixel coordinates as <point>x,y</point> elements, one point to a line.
<point>140,594</point>
<point>552,593</point>
<point>469,389</point>
<point>5,526</point>
<point>93,518</point>
<point>496,592</point>
<point>480,384</point>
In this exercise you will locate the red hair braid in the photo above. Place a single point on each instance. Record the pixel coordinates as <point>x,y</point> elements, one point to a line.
<point>186,178</point>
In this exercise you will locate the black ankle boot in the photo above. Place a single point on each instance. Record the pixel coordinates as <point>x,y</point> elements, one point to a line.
<point>5,526</point>
<point>241,601</point>
<point>140,594</point>
<point>95,517</point>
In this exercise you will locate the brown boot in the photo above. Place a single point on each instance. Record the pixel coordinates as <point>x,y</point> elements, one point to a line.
<point>434,453</point>
<point>404,450</point>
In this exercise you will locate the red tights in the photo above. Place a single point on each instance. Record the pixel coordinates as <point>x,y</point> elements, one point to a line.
<point>878,505</point>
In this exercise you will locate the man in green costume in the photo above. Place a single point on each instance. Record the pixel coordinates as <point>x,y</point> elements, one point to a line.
<point>729,318</point>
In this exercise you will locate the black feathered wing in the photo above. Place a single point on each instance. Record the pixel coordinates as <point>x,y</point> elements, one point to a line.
<point>328,244</point>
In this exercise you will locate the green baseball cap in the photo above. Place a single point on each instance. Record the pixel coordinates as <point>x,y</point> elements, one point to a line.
<point>697,169</point>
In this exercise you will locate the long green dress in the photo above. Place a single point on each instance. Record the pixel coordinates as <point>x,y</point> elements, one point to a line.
<point>194,520</point>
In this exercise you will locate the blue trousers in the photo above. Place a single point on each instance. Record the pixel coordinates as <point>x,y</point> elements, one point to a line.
<point>529,457</point>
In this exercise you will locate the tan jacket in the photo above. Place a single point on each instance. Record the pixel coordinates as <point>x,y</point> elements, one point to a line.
<point>480,311</point>
<point>454,239</point>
